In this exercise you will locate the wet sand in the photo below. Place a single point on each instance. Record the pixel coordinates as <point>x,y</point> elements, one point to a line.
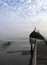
<point>18,53</point>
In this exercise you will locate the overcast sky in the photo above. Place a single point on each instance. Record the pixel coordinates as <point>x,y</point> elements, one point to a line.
<point>19,17</point>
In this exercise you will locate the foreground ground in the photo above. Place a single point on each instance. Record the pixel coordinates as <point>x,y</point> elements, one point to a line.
<point>18,53</point>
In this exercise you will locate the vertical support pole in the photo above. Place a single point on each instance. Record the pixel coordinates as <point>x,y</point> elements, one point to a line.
<point>35,54</point>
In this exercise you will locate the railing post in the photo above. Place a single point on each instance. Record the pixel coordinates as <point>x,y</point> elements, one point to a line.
<point>35,54</point>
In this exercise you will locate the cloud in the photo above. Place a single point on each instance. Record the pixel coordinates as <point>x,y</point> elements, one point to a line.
<point>19,17</point>
<point>24,8</point>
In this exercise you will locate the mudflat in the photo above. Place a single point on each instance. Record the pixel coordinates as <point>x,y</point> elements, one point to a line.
<point>17,53</point>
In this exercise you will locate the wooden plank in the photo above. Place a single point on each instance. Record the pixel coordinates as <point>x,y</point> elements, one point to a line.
<point>41,54</point>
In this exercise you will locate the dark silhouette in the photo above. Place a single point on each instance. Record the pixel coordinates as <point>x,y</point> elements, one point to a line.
<point>32,39</point>
<point>32,49</point>
<point>36,35</point>
<point>46,42</point>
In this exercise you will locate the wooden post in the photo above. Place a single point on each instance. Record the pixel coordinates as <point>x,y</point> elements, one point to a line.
<point>35,54</point>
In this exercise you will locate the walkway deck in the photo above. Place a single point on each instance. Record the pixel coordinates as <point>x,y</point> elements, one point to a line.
<point>41,54</point>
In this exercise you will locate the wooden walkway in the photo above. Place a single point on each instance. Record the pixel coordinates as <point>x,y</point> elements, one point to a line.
<point>41,54</point>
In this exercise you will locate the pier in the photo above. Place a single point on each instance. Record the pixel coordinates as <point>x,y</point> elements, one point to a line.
<point>41,54</point>
<point>38,51</point>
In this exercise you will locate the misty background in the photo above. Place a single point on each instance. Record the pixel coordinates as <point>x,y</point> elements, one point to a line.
<point>19,17</point>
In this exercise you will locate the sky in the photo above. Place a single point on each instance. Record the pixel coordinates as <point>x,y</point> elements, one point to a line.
<point>18,18</point>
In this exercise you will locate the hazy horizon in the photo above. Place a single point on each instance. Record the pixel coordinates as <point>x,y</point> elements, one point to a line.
<point>18,18</point>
